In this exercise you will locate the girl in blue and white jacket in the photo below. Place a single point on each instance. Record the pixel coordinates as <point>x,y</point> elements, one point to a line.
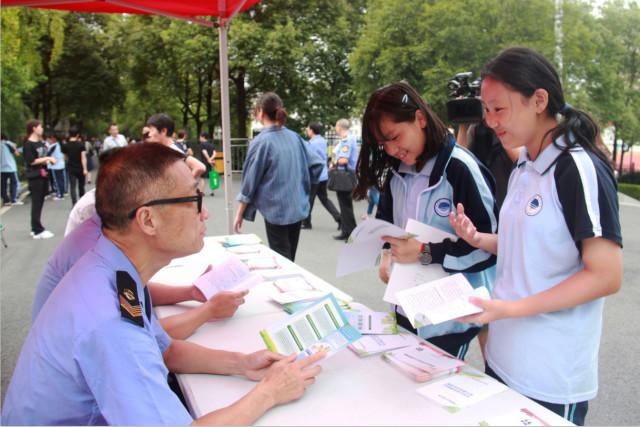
<point>408,153</point>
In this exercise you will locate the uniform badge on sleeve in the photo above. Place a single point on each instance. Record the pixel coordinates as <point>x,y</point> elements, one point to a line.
<point>130,307</point>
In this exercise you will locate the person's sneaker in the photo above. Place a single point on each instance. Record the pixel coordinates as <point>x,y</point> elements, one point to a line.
<point>56,198</point>
<point>46,234</point>
<point>31,233</point>
<point>18,203</point>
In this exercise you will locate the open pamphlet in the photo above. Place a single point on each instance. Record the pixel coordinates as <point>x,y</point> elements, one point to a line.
<point>423,362</point>
<point>405,276</point>
<point>229,275</point>
<point>362,249</point>
<point>239,239</point>
<point>369,345</point>
<point>440,300</point>
<point>373,322</point>
<point>322,326</point>
<point>458,391</point>
<point>516,417</point>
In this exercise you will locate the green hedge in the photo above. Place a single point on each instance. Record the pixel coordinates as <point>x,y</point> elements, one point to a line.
<point>631,190</point>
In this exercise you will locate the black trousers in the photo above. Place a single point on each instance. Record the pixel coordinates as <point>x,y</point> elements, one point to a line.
<point>284,238</point>
<point>76,177</point>
<point>9,186</point>
<point>574,412</point>
<point>346,212</point>
<point>320,189</point>
<point>38,188</point>
<point>455,344</point>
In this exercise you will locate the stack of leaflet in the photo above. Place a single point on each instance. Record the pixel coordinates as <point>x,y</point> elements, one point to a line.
<point>239,240</point>
<point>293,307</point>
<point>369,345</point>
<point>423,362</point>
<point>295,288</point>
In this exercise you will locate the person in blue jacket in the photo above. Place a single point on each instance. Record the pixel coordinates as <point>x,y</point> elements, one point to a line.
<point>409,155</point>
<point>276,178</point>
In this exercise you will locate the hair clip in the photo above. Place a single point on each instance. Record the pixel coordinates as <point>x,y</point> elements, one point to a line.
<point>405,99</point>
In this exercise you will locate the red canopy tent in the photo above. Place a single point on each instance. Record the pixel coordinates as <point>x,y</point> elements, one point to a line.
<point>188,10</point>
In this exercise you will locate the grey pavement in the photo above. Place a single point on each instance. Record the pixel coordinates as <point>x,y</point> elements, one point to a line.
<point>22,262</point>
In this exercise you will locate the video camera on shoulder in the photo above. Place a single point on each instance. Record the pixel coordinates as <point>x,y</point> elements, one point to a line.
<point>464,105</point>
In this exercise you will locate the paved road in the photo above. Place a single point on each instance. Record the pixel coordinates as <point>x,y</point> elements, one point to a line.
<point>23,261</point>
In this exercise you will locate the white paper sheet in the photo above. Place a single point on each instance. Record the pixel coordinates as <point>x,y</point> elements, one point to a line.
<point>405,276</point>
<point>362,249</point>
<point>458,391</point>
<point>440,300</point>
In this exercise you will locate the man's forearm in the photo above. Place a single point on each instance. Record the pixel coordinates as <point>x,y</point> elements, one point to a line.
<point>183,357</point>
<point>182,326</point>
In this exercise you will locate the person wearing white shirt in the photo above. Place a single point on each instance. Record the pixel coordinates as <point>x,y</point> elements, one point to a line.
<point>115,139</point>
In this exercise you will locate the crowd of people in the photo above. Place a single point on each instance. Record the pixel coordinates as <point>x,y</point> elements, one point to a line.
<point>550,254</point>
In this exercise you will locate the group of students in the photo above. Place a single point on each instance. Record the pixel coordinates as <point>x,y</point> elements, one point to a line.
<point>549,256</point>
<point>95,352</point>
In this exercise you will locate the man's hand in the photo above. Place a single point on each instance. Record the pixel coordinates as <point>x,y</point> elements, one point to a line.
<point>403,250</point>
<point>256,365</point>
<point>287,379</point>
<point>224,304</point>
<point>237,223</point>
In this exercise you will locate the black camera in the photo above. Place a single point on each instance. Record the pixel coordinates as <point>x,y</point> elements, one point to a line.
<point>464,105</point>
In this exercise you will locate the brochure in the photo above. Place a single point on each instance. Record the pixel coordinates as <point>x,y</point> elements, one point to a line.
<point>375,344</point>
<point>373,322</point>
<point>440,300</point>
<point>406,276</point>
<point>230,274</point>
<point>423,362</point>
<point>520,417</point>
<point>458,391</point>
<point>245,250</point>
<point>362,249</point>
<point>322,326</point>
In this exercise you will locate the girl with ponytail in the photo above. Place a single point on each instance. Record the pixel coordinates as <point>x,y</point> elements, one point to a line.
<point>558,243</point>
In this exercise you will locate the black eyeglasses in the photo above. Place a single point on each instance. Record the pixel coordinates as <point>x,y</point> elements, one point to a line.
<point>197,198</point>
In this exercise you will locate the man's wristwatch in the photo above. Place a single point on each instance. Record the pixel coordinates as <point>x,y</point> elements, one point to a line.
<point>425,254</point>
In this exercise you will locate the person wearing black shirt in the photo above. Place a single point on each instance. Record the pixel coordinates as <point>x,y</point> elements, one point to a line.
<point>75,152</point>
<point>208,154</point>
<point>36,161</point>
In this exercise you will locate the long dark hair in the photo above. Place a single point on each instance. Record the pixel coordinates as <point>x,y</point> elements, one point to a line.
<point>524,70</point>
<point>398,101</point>
<point>271,105</point>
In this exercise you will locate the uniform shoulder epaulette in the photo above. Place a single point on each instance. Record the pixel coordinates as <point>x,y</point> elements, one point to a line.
<point>130,307</point>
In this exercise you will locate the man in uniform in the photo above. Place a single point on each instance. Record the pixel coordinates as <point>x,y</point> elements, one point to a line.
<point>96,353</point>
<point>346,156</point>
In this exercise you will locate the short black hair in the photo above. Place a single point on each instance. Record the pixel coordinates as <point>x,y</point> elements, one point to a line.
<point>316,127</point>
<point>161,121</point>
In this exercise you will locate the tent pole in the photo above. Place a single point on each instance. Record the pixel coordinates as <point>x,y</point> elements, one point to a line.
<point>223,28</point>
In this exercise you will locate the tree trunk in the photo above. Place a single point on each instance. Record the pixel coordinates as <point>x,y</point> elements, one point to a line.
<point>241,103</point>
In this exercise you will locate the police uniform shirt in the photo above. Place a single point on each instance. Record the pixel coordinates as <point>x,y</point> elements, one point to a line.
<point>552,204</point>
<point>85,363</point>
<point>72,248</point>
<point>348,149</point>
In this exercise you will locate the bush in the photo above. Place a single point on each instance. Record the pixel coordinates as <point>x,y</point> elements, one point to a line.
<point>630,178</point>
<point>631,190</point>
